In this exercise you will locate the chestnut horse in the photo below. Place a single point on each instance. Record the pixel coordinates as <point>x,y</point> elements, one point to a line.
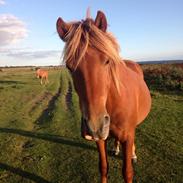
<point>113,95</point>
<point>43,75</point>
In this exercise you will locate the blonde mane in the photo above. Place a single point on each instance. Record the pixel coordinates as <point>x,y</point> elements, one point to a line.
<point>82,35</point>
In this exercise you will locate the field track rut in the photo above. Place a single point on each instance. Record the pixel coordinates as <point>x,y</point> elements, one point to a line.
<point>68,97</point>
<point>48,112</point>
<point>38,100</point>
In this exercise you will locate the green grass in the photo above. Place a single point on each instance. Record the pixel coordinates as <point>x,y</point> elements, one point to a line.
<point>40,135</point>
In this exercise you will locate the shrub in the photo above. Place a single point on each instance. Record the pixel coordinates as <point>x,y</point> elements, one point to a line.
<point>163,77</point>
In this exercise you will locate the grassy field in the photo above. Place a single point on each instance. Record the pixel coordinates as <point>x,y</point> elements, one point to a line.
<point>40,135</point>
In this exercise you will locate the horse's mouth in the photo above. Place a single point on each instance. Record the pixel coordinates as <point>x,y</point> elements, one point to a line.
<point>88,135</point>
<point>85,132</point>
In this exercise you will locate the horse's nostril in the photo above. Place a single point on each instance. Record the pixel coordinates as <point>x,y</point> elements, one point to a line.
<point>107,119</point>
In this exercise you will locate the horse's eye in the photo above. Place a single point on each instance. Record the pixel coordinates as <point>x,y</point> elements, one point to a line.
<point>107,62</point>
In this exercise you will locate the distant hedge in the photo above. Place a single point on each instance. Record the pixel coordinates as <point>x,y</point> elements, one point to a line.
<point>164,76</point>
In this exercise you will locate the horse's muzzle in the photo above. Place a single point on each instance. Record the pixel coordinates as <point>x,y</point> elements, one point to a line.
<point>102,132</point>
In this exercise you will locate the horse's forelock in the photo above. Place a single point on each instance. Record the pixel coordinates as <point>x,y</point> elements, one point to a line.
<point>83,34</point>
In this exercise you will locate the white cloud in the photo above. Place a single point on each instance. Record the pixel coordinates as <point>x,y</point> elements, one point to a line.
<point>28,53</point>
<point>33,54</point>
<point>12,29</point>
<point>29,56</point>
<point>2,2</point>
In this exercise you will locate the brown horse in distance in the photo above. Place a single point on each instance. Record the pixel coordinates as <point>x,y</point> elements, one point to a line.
<point>42,75</point>
<point>113,95</point>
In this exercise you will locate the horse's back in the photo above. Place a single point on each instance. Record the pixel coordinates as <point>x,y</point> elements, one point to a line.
<point>134,66</point>
<point>43,73</point>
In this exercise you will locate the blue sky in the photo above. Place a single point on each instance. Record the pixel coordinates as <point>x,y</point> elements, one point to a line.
<point>145,30</point>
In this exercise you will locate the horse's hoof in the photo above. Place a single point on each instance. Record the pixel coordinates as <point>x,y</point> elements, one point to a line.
<point>116,153</point>
<point>134,159</point>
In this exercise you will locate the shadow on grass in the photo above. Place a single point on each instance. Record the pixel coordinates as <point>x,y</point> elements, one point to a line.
<point>68,97</point>
<point>48,137</point>
<point>56,139</point>
<point>22,173</point>
<point>11,82</point>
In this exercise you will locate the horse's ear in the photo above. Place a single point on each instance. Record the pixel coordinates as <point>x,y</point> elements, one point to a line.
<point>101,21</point>
<point>62,28</point>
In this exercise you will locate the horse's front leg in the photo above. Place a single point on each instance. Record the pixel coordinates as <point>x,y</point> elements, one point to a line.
<point>103,164</point>
<point>127,160</point>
